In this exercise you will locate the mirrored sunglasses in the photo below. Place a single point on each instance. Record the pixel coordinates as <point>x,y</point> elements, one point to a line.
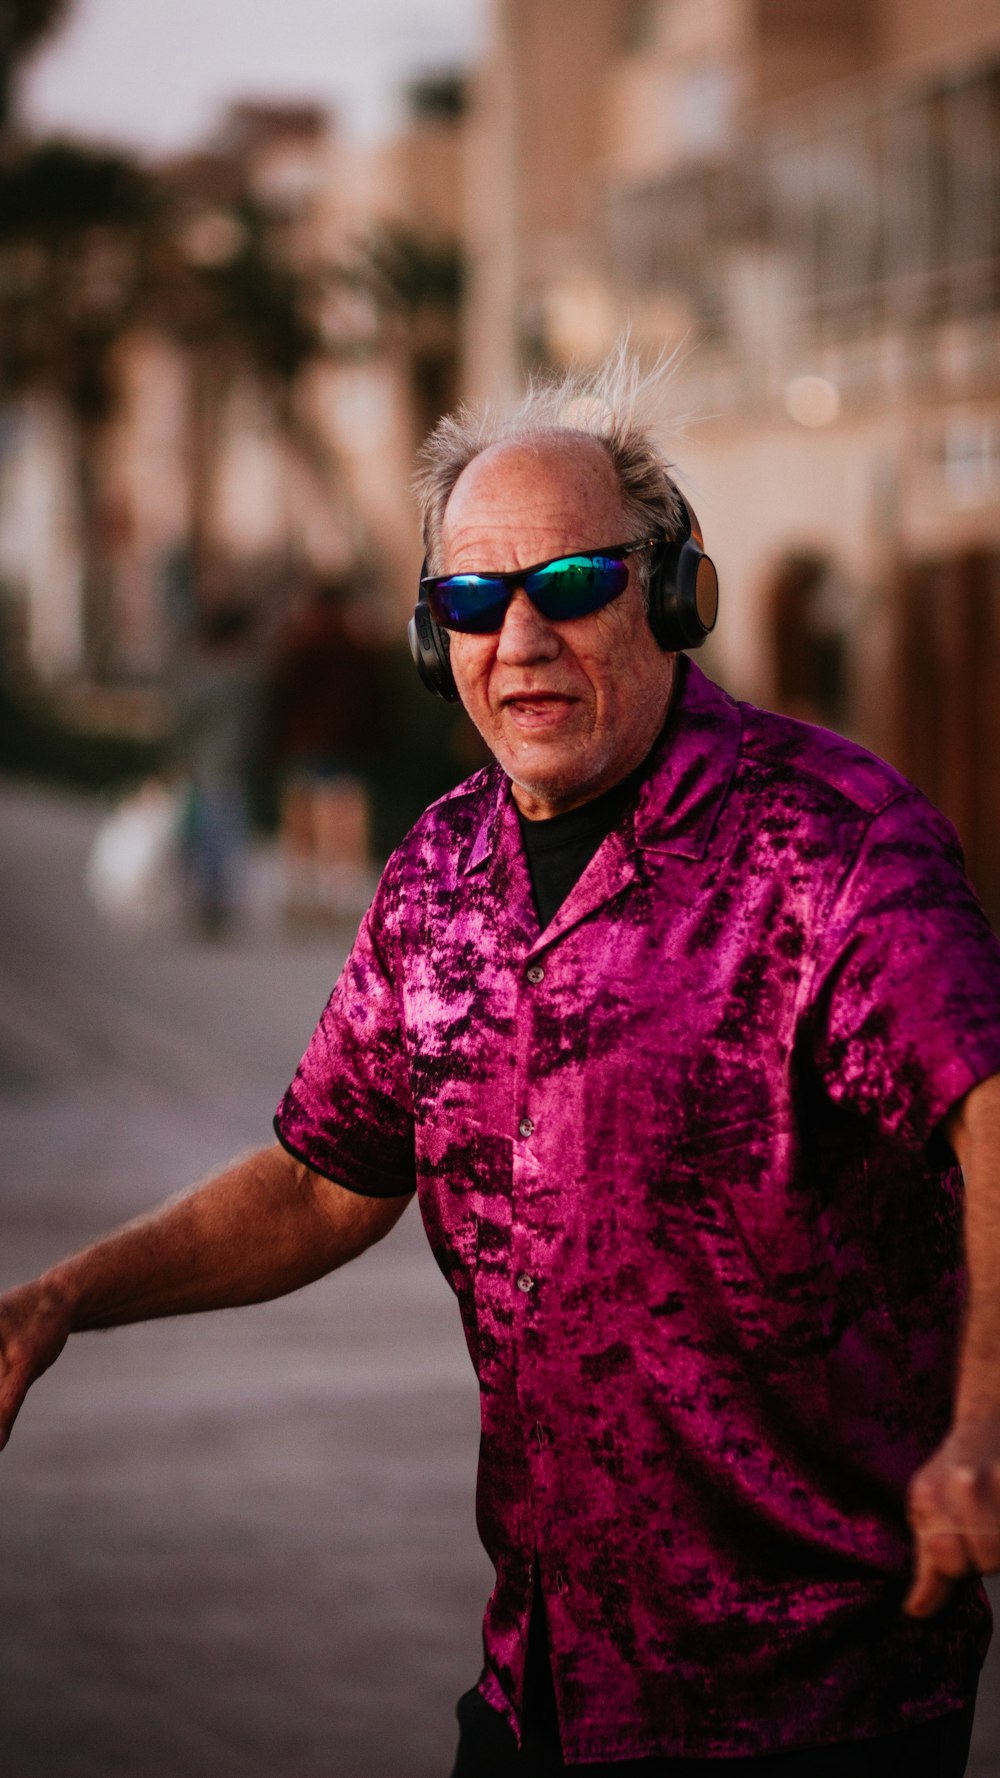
<point>563,588</point>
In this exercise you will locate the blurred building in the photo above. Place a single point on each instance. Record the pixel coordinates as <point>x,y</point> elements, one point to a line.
<point>803,198</point>
<point>391,219</point>
<point>295,338</point>
<point>800,197</point>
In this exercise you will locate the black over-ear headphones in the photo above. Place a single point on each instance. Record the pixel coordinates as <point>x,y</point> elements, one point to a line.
<point>429,648</point>
<point>683,595</point>
<point>682,598</point>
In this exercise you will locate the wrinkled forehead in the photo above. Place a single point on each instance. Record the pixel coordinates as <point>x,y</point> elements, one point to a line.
<point>528,499</point>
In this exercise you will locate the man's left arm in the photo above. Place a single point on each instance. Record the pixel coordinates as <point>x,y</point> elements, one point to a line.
<point>954,1499</point>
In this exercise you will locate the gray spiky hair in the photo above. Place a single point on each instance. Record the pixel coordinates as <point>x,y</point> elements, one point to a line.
<point>618,404</point>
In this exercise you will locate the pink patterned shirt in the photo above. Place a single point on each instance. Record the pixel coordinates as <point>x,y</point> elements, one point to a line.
<point>677,1156</point>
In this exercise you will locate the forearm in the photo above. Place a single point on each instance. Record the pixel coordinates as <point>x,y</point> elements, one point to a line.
<point>265,1226</point>
<point>953,1500</point>
<point>974,1133</point>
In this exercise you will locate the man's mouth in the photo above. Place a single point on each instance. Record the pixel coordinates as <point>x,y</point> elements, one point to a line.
<point>537,709</point>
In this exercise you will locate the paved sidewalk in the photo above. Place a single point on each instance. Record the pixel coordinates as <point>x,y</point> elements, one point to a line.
<point>236,1546</point>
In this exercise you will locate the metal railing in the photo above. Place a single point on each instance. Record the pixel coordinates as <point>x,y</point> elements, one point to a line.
<point>877,206</point>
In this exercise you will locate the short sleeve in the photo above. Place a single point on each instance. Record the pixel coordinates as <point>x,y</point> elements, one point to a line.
<point>348,1113</point>
<point>904,1005</point>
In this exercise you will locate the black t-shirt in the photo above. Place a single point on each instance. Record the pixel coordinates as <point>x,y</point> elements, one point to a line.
<point>560,848</point>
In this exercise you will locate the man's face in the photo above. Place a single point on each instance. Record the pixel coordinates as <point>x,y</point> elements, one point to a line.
<point>568,709</point>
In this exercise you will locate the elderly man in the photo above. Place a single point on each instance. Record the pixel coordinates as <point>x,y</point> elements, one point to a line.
<point>676,1019</point>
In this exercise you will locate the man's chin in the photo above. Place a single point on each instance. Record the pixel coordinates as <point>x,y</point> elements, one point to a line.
<point>542,794</point>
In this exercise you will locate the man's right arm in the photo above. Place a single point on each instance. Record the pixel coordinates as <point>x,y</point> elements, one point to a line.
<point>265,1226</point>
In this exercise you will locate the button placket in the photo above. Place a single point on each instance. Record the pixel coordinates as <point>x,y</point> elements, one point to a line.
<point>525,1281</point>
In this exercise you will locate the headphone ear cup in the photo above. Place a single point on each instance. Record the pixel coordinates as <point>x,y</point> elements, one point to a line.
<point>429,648</point>
<point>683,594</point>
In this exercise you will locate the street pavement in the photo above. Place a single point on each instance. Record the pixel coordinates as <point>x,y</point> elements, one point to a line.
<point>238,1545</point>
<point>231,1546</point>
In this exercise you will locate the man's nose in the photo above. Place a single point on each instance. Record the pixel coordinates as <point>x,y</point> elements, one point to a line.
<point>525,634</point>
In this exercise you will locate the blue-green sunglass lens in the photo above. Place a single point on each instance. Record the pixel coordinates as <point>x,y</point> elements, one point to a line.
<point>576,585</point>
<point>470,602</point>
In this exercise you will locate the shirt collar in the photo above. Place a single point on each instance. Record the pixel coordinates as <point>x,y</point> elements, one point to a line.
<point>690,770</point>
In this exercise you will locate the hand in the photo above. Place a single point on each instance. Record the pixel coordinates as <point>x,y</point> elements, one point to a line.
<point>953,1505</point>
<point>35,1323</point>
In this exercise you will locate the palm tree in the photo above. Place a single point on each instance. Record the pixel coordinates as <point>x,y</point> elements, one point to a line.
<point>23,25</point>
<point>94,246</point>
<point>415,279</point>
<point>416,285</point>
<point>226,291</point>
<point>75,226</point>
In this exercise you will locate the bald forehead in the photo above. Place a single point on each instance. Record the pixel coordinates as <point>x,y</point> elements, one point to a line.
<point>561,484</point>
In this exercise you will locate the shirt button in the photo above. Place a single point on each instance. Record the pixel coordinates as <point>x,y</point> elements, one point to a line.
<point>536,974</point>
<point>525,1282</point>
<point>526,1126</point>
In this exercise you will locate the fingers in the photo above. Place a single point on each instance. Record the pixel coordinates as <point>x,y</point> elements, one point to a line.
<point>941,1560</point>
<point>931,1586</point>
<point>954,1510</point>
<point>34,1326</point>
<point>13,1389</point>
<point>10,1407</point>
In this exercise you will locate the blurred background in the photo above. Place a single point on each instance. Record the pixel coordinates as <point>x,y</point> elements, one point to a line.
<point>228,317</point>
<point>247,257</point>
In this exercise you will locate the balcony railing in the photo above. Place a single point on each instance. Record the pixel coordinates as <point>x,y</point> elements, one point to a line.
<point>878,206</point>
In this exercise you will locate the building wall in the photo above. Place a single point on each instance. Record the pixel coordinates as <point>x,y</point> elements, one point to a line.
<point>924,30</point>
<point>801,196</point>
<point>536,143</point>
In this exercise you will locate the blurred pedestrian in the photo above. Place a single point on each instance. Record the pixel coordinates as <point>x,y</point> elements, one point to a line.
<point>681,1018</point>
<point>214,732</point>
<point>325,724</point>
